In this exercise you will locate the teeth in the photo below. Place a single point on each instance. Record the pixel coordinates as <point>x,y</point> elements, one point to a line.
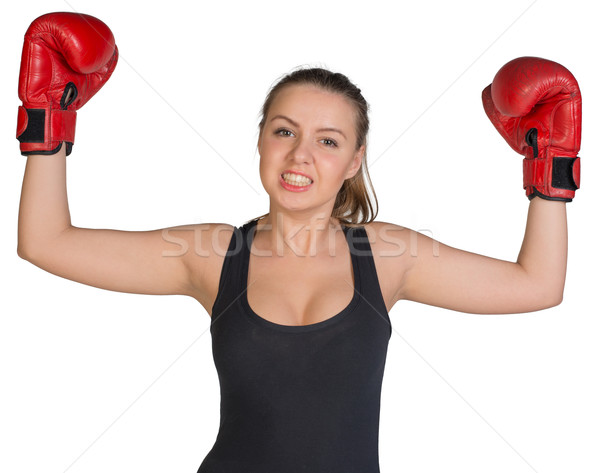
<point>296,179</point>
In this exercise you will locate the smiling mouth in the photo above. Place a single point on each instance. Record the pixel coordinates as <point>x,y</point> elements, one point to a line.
<point>296,179</point>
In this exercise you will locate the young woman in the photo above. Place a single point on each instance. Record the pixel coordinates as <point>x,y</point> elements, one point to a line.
<point>298,298</point>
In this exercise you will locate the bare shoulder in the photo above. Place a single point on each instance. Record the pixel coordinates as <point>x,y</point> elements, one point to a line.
<point>203,247</point>
<point>388,240</point>
<point>391,248</point>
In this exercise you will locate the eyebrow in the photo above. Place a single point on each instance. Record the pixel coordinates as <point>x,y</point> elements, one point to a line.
<point>336,130</point>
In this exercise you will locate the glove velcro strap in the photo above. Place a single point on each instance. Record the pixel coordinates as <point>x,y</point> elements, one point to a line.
<point>552,178</point>
<point>565,173</point>
<point>43,130</point>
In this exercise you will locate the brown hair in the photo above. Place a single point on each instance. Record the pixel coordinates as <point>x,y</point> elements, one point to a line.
<point>353,205</point>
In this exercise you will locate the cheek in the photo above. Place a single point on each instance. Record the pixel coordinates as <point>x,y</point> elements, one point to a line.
<point>272,145</point>
<point>267,170</point>
<point>332,167</point>
<point>270,152</point>
<point>262,169</point>
<point>265,153</point>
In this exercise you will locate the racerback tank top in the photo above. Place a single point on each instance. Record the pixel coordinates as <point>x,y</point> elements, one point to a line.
<point>298,398</point>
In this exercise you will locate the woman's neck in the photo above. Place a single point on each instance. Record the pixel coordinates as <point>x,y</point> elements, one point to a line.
<point>285,234</point>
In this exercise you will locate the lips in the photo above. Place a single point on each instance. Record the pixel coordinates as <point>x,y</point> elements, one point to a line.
<point>294,182</point>
<point>293,173</point>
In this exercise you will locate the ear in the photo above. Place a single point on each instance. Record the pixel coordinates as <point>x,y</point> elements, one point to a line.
<point>356,162</point>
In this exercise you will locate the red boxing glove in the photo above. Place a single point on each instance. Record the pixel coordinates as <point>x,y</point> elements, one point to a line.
<point>535,104</point>
<point>66,58</point>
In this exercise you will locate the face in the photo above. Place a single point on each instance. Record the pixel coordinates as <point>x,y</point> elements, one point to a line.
<point>307,149</point>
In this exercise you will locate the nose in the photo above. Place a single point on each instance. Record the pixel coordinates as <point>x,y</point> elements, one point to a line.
<point>301,152</point>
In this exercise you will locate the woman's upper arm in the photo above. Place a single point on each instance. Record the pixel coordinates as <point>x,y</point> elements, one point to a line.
<point>455,279</point>
<point>177,260</point>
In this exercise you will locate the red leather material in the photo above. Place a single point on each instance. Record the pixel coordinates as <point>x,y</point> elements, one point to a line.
<point>532,92</point>
<point>537,174</point>
<point>577,172</point>
<point>62,51</point>
<point>22,120</point>
<point>62,125</point>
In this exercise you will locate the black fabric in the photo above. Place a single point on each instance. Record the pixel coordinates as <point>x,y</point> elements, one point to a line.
<point>562,173</point>
<point>537,193</point>
<point>531,140</point>
<point>36,124</point>
<point>298,398</point>
<point>52,151</point>
<point>69,95</point>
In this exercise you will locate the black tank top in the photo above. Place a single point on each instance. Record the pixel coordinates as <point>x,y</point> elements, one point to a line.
<point>298,398</point>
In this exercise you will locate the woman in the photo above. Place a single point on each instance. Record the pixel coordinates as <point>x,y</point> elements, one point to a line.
<point>298,298</point>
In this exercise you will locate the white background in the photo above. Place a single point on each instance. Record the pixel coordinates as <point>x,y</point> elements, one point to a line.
<point>97,381</point>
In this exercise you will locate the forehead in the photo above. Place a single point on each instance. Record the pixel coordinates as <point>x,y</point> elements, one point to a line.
<point>308,103</point>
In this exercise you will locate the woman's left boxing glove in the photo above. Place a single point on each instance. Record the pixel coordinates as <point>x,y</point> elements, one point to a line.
<point>535,104</point>
<point>67,58</point>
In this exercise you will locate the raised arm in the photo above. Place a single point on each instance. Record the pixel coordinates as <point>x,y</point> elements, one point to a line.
<point>535,104</point>
<point>67,57</point>
<point>178,260</point>
<point>447,277</point>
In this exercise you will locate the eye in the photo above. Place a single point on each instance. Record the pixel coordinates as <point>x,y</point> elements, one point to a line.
<point>282,130</point>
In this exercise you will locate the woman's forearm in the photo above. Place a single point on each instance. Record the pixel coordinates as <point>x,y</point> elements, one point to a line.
<point>543,255</point>
<point>44,209</point>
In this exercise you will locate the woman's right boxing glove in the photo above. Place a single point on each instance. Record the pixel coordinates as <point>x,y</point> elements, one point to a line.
<point>66,58</point>
<point>535,104</point>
